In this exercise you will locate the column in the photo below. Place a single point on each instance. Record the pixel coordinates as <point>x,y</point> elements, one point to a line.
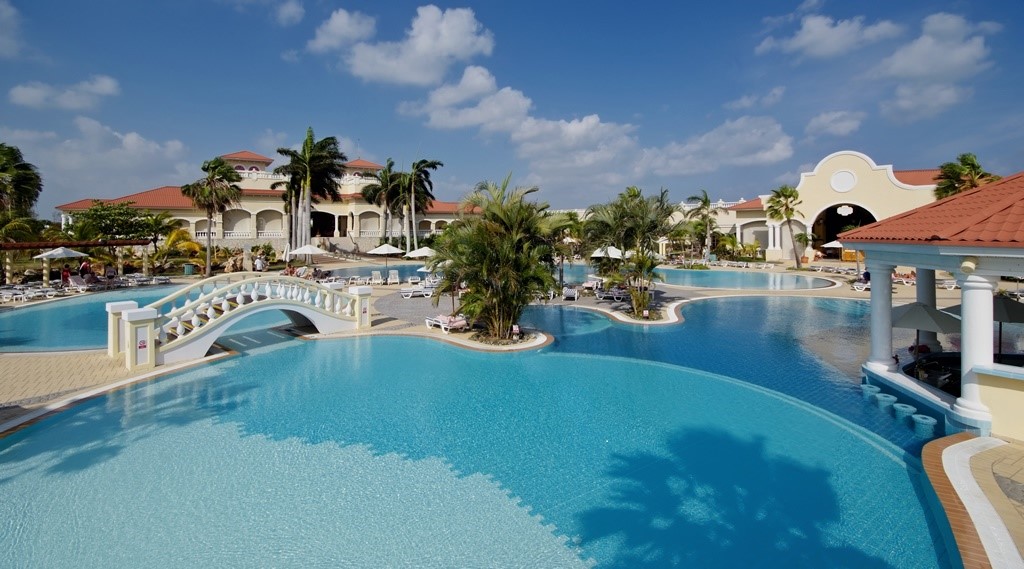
<point>975,344</point>
<point>254,231</point>
<point>926,295</point>
<point>771,237</point>
<point>115,336</point>
<point>880,359</point>
<point>140,337</point>
<point>8,266</point>
<point>337,226</point>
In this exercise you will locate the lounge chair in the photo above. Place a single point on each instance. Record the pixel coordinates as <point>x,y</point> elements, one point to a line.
<point>376,279</point>
<point>393,277</point>
<point>414,280</point>
<point>448,323</point>
<point>412,291</point>
<point>569,293</point>
<point>949,284</point>
<point>617,294</point>
<point>862,286</point>
<point>78,284</point>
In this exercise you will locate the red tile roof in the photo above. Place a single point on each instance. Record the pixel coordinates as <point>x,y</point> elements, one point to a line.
<point>166,197</point>
<point>247,156</point>
<point>445,207</point>
<point>361,164</point>
<point>752,204</point>
<point>917,177</point>
<point>991,216</point>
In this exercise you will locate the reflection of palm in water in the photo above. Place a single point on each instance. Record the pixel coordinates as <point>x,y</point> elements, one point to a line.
<point>713,500</point>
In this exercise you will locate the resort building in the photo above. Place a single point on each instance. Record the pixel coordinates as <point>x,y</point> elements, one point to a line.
<point>845,190</point>
<point>978,237</point>
<point>350,224</point>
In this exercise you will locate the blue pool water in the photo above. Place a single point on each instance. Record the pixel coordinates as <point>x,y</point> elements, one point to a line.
<point>80,323</point>
<point>725,279</point>
<point>385,451</point>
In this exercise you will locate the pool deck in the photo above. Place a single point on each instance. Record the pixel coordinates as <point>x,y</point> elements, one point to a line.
<point>985,507</point>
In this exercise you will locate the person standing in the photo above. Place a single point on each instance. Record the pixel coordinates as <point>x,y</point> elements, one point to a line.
<point>85,268</point>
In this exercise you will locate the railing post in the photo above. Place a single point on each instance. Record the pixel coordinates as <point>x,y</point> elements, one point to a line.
<point>362,305</point>
<point>115,339</point>
<point>140,334</point>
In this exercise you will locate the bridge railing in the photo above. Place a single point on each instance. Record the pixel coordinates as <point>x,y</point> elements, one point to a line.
<point>208,301</point>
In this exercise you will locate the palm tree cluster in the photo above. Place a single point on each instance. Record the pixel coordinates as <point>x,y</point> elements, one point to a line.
<point>964,174</point>
<point>703,217</point>
<point>405,192</point>
<point>313,173</point>
<point>502,256</point>
<point>634,224</point>
<point>782,206</point>
<point>20,186</point>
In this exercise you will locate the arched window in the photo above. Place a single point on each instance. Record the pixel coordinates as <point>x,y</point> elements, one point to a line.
<point>254,169</point>
<point>239,167</point>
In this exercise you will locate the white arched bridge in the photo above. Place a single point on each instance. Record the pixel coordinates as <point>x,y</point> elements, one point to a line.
<point>184,325</point>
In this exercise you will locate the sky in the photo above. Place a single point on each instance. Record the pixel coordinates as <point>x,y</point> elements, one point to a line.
<point>579,98</point>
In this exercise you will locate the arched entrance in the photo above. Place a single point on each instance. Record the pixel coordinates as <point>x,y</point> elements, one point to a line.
<point>836,219</point>
<point>323,224</point>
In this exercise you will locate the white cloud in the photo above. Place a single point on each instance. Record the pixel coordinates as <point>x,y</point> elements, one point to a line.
<point>929,69</point>
<point>10,31</point>
<point>836,123</point>
<point>793,178</point>
<point>341,30</point>
<point>290,13</point>
<point>822,37</point>
<point>270,141</point>
<point>80,96</point>
<point>918,101</point>
<point>750,101</point>
<point>945,51</point>
<point>435,41</point>
<point>476,81</point>
<point>291,55</point>
<point>746,141</point>
<point>78,166</point>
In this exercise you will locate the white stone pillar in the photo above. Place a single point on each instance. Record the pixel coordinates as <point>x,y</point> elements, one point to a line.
<point>115,336</point>
<point>926,295</point>
<point>771,237</point>
<point>337,225</point>
<point>881,317</point>
<point>975,345</point>
<point>254,231</point>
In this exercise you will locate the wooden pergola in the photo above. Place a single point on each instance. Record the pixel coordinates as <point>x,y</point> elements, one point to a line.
<point>10,248</point>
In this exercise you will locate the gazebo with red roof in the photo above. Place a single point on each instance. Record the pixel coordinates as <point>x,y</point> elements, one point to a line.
<point>977,236</point>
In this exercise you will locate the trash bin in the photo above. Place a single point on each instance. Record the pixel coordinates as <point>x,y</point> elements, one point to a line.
<point>190,269</point>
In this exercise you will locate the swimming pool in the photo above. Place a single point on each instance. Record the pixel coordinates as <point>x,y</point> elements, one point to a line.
<point>724,279</point>
<point>80,322</point>
<point>385,451</point>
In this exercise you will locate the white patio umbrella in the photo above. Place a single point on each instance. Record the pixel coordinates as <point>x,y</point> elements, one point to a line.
<point>306,250</point>
<point>60,253</point>
<point>385,249</point>
<point>832,245</point>
<point>919,316</point>
<point>611,251</point>
<point>421,253</point>
<point>1004,309</point>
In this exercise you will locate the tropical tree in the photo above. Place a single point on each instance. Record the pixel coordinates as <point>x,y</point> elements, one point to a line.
<point>782,206</point>
<point>385,192</point>
<point>964,174</point>
<point>157,225</point>
<point>214,193</point>
<point>313,171</point>
<point>20,182</point>
<point>502,253</point>
<point>704,214</point>
<point>421,191</point>
<point>14,228</point>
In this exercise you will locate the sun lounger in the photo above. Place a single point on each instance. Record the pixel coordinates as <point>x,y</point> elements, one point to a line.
<point>376,278</point>
<point>448,323</point>
<point>949,284</point>
<point>412,291</point>
<point>393,277</point>
<point>570,294</point>
<point>616,294</point>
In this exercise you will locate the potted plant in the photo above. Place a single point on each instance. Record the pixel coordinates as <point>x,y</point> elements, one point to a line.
<point>804,239</point>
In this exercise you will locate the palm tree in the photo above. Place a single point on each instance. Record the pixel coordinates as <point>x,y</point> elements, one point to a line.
<point>385,192</point>
<point>704,214</point>
<point>20,183</point>
<point>213,193</point>
<point>503,254</point>
<point>782,206</point>
<point>314,171</point>
<point>964,174</point>
<point>157,225</point>
<point>421,191</point>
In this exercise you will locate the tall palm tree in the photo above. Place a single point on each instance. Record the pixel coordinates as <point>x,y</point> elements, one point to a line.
<point>964,174</point>
<point>782,206</point>
<point>214,193</point>
<point>385,192</point>
<point>704,214</point>
<point>503,254</point>
<point>314,170</point>
<point>20,183</point>
<point>421,191</point>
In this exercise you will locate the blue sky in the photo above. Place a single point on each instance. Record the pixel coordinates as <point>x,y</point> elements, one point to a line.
<point>579,98</point>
